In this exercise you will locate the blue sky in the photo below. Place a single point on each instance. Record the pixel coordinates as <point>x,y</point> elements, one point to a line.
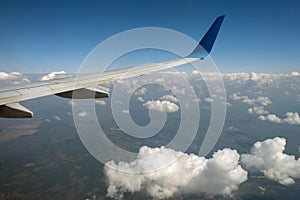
<point>40,37</point>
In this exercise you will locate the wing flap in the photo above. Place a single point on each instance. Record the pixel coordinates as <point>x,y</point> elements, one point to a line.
<point>15,110</point>
<point>84,93</point>
<point>84,85</point>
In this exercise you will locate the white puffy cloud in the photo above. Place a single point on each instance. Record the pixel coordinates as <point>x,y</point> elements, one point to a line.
<point>268,157</point>
<point>189,174</point>
<point>259,110</point>
<point>100,102</point>
<point>239,78</point>
<point>249,101</point>
<point>258,79</point>
<point>236,96</point>
<point>52,75</point>
<point>263,79</point>
<point>169,97</point>
<point>295,74</point>
<point>292,118</point>
<point>259,100</point>
<point>208,100</point>
<point>161,106</point>
<point>271,118</point>
<point>195,72</point>
<point>264,101</point>
<point>12,78</point>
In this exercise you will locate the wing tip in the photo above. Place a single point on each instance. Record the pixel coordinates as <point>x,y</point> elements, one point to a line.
<point>204,47</point>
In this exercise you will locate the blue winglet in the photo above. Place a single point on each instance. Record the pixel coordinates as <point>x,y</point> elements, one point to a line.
<point>205,45</point>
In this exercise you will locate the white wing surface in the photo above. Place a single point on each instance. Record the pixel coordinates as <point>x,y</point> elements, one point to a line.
<point>84,85</point>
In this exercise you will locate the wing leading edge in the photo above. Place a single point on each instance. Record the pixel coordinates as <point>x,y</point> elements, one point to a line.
<point>85,84</point>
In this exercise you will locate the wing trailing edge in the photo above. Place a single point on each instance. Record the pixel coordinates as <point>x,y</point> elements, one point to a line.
<point>9,98</point>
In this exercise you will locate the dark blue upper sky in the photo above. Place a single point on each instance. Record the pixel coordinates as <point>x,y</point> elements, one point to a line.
<point>43,36</point>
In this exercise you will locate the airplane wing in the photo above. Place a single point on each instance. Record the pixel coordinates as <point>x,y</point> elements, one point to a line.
<point>85,84</point>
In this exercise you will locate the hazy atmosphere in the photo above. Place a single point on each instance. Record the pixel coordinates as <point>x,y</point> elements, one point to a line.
<point>225,126</point>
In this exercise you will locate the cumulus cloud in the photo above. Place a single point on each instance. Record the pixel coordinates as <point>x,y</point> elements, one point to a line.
<point>239,78</point>
<point>208,100</point>
<point>169,97</point>
<point>12,78</point>
<point>291,118</point>
<point>259,100</point>
<point>271,118</point>
<point>161,106</point>
<point>258,106</point>
<point>257,79</point>
<point>264,79</point>
<point>259,110</point>
<point>295,74</point>
<point>195,72</point>
<point>268,157</point>
<point>263,101</point>
<point>52,75</point>
<point>189,174</point>
<point>100,102</point>
<point>249,101</point>
<point>236,96</point>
